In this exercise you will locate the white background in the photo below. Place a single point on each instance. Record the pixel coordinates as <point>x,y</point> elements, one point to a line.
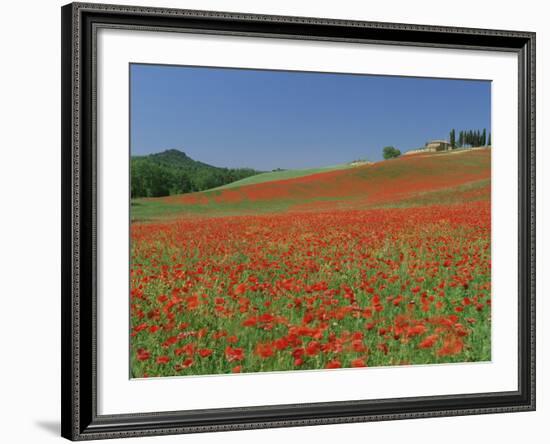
<point>118,394</point>
<point>30,223</point>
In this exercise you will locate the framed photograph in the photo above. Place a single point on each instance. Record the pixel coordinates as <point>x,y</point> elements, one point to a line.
<point>282,221</point>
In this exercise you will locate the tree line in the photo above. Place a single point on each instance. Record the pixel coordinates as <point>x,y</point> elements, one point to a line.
<point>158,175</point>
<point>469,138</point>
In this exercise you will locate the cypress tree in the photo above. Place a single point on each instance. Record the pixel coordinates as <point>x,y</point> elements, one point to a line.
<point>452,139</point>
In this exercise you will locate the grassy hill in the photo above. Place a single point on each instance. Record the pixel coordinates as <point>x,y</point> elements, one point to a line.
<point>173,172</point>
<point>282,175</point>
<point>407,181</point>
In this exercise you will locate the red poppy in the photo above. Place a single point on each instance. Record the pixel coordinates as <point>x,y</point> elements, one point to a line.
<point>187,349</point>
<point>205,352</point>
<point>452,345</point>
<point>232,339</point>
<point>140,327</point>
<point>264,350</point>
<point>266,317</point>
<point>170,341</point>
<point>240,289</point>
<point>250,322</point>
<point>428,342</point>
<point>358,346</point>
<point>416,330</point>
<point>234,354</point>
<point>187,363</point>
<point>142,354</point>
<point>334,363</point>
<point>281,343</point>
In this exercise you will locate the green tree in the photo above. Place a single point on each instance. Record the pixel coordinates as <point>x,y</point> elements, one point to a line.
<point>489,141</point>
<point>159,180</point>
<point>484,137</point>
<point>184,184</point>
<point>452,138</point>
<point>390,152</point>
<point>137,179</point>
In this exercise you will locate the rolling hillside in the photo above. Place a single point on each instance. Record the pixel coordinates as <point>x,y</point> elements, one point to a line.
<point>406,181</point>
<point>283,175</point>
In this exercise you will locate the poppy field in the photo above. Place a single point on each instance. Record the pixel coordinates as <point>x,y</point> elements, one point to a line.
<point>379,265</point>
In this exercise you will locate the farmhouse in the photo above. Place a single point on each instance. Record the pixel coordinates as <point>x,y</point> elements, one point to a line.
<point>438,145</point>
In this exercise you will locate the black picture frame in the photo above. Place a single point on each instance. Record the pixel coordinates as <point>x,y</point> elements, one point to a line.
<point>80,420</point>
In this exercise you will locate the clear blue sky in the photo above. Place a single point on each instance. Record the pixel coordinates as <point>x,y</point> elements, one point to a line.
<point>281,119</point>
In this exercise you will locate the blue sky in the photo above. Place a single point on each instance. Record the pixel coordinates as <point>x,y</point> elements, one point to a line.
<point>283,119</point>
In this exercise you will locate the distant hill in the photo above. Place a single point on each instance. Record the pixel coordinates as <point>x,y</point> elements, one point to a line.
<point>175,157</point>
<point>174,172</point>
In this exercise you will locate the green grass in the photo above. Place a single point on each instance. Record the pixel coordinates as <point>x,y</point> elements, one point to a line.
<point>149,210</point>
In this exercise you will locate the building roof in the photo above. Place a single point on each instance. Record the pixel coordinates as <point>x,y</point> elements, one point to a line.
<point>437,141</point>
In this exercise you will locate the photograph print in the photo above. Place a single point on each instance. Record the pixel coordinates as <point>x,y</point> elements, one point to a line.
<point>293,221</point>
